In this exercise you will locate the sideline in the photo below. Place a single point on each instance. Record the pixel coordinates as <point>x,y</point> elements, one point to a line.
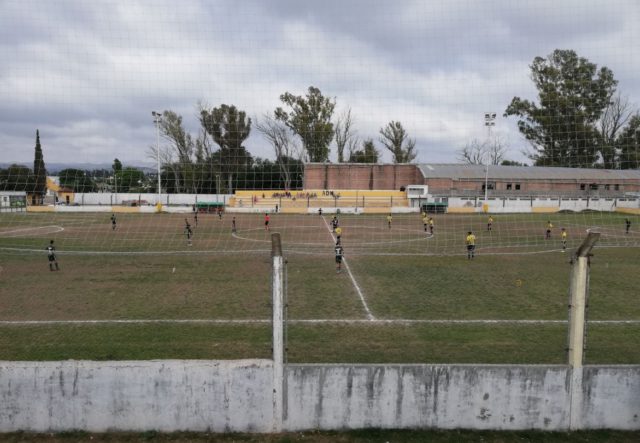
<point>395,321</point>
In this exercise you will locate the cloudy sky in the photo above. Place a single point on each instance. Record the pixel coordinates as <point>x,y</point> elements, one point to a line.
<point>87,74</point>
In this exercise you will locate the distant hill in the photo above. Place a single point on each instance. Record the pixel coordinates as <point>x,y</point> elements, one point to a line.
<point>54,168</point>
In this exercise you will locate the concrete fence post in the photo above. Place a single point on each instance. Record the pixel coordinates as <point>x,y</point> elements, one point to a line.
<point>277,293</point>
<point>579,288</point>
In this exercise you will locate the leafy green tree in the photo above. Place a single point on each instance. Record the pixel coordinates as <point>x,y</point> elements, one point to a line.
<point>76,179</point>
<point>117,165</point>
<point>629,144</point>
<point>39,170</point>
<point>16,178</point>
<point>368,153</point>
<point>572,95</point>
<point>229,128</point>
<point>395,139</point>
<point>310,118</point>
<point>130,179</point>
<point>512,163</point>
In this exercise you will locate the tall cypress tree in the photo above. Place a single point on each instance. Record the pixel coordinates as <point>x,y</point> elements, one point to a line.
<point>39,170</point>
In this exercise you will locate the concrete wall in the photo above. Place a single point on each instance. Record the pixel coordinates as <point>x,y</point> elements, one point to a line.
<point>220,396</point>
<point>542,204</point>
<point>418,396</point>
<point>168,395</point>
<point>610,397</point>
<point>99,198</point>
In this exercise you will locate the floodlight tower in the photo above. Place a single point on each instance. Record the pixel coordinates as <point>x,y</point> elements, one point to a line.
<point>157,119</point>
<point>489,121</point>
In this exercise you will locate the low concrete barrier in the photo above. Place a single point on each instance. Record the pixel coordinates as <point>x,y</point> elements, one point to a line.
<point>221,396</point>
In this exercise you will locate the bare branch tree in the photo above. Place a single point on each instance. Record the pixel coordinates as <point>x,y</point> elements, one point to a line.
<point>476,152</point>
<point>394,137</point>
<point>496,150</point>
<point>472,153</point>
<point>344,133</point>
<point>614,118</point>
<point>281,139</point>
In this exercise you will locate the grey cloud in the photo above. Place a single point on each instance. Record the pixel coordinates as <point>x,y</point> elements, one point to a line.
<point>93,71</point>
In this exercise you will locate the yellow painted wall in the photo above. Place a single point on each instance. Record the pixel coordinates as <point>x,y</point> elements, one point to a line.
<point>451,210</point>
<point>544,210</point>
<point>40,208</point>
<point>62,197</point>
<point>635,211</point>
<point>125,209</point>
<point>342,192</point>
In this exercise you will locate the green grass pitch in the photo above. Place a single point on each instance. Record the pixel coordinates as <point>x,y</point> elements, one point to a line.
<point>142,292</point>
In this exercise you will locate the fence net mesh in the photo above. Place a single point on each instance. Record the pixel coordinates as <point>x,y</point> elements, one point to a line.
<point>452,155</point>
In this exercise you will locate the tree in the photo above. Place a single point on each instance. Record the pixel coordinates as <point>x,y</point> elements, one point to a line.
<point>512,163</point>
<point>229,128</point>
<point>39,170</point>
<point>310,119</point>
<point>611,127</point>
<point>172,129</point>
<point>629,143</point>
<point>130,179</point>
<point>395,139</point>
<point>117,165</point>
<point>16,178</point>
<point>285,148</point>
<point>368,153</point>
<point>344,133</point>
<point>472,153</point>
<point>76,179</point>
<point>490,152</point>
<point>572,94</point>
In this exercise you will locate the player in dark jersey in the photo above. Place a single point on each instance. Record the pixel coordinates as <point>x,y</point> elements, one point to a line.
<point>53,261</point>
<point>113,222</point>
<point>339,255</point>
<point>188,232</point>
<point>233,225</point>
<point>627,224</point>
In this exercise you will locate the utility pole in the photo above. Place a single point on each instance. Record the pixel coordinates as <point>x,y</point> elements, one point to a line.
<point>489,121</point>
<point>157,119</point>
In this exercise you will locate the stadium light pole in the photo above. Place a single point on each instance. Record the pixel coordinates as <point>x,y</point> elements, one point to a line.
<point>157,118</point>
<point>489,121</point>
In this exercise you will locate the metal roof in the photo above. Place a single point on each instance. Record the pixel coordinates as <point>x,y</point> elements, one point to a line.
<point>472,172</point>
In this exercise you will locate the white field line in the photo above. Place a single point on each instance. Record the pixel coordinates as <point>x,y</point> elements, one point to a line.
<point>391,322</point>
<point>353,280</point>
<point>52,229</point>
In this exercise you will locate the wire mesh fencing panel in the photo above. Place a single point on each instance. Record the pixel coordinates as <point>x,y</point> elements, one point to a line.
<point>613,316</point>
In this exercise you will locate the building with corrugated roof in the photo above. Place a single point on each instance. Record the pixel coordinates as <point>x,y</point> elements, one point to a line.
<point>470,180</point>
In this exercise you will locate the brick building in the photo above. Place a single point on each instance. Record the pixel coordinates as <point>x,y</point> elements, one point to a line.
<point>469,180</point>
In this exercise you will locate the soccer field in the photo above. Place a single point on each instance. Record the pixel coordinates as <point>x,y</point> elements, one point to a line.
<point>404,295</point>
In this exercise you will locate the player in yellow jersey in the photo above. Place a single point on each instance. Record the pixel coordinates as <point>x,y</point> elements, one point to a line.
<point>431,225</point>
<point>490,223</point>
<point>563,235</point>
<point>338,232</point>
<point>471,245</point>
<point>547,235</point>
<point>425,221</point>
